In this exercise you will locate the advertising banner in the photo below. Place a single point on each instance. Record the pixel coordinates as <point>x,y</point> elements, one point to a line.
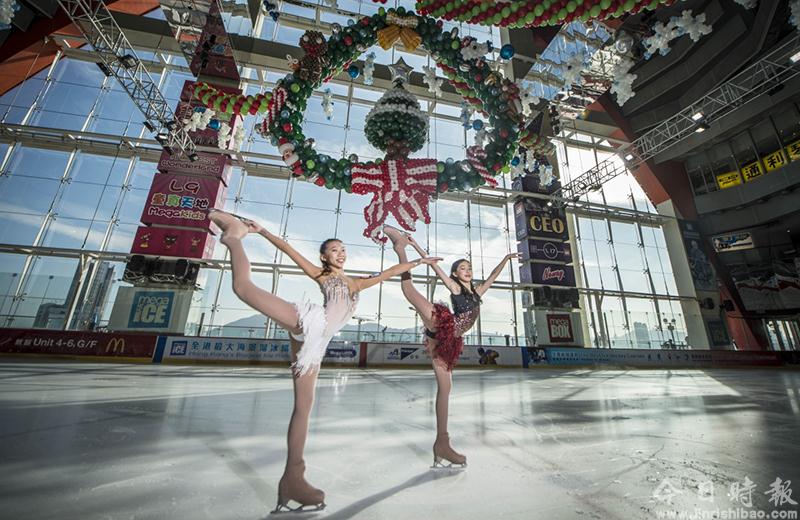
<point>768,286</point>
<point>151,309</point>
<point>535,219</point>
<point>645,357</point>
<point>547,273</point>
<point>732,242</point>
<point>414,354</point>
<point>794,150</point>
<point>702,273</point>
<point>728,180</point>
<point>752,171</point>
<point>558,328</point>
<point>547,250</point>
<point>181,348</point>
<point>180,200</point>
<point>77,343</point>
<point>774,160</point>
<point>180,243</point>
<point>209,164</point>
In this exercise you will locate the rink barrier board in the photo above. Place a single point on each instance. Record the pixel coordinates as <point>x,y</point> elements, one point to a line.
<point>144,348</point>
<point>97,346</point>
<point>648,358</point>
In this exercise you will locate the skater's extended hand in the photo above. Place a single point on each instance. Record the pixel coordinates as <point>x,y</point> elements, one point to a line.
<point>430,260</point>
<point>253,227</point>
<point>512,256</point>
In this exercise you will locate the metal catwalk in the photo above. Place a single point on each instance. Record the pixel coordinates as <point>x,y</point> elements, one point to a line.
<point>101,441</point>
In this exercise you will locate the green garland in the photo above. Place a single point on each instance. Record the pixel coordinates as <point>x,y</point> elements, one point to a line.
<point>482,87</point>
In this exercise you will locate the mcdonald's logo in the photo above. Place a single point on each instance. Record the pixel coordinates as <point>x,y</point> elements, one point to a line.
<point>114,344</point>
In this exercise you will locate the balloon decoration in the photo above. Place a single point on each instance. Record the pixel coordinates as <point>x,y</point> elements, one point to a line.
<point>531,13</point>
<point>395,125</point>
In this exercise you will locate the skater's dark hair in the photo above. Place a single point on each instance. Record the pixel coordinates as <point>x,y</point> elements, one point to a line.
<point>453,277</point>
<point>326,268</point>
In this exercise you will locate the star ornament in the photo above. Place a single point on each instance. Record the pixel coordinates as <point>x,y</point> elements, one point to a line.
<point>400,71</point>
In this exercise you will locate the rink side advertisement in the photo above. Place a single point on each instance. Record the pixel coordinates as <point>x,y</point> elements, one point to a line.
<point>175,349</point>
<point>77,343</point>
<point>414,354</point>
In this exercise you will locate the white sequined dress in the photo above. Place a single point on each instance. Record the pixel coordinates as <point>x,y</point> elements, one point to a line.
<point>320,323</point>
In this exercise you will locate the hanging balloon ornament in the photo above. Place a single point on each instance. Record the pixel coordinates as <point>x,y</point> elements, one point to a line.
<point>430,79</point>
<point>399,186</point>
<point>369,68</point>
<point>466,114</point>
<point>8,9</point>
<point>238,137</point>
<point>528,100</point>
<point>272,10</point>
<point>795,9</point>
<point>223,135</point>
<point>353,71</point>
<point>327,104</point>
<point>199,120</point>
<point>532,13</point>
<point>507,51</point>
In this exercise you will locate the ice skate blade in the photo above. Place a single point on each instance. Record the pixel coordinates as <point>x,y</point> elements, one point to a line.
<point>283,508</point>
<point>451,466</point>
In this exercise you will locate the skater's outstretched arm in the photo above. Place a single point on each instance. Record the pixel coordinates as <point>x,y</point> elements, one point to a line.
<point>302,262</point>
<point>451,284</point>
<point>364,283</point>
<point>482,288</point>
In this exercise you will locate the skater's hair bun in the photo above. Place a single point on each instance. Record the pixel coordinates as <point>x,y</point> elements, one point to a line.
<point>326,269</point>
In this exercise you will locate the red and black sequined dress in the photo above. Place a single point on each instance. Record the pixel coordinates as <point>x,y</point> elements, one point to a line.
<point>448,340</point>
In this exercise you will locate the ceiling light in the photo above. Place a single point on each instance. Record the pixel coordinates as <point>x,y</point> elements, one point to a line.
<point>697,116</point>
<point>701,127</point>
<point>629,157</point>
<point>795,57</point>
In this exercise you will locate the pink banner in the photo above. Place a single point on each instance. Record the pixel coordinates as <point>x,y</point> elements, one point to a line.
<point>180,200</point>
<point>181,243</point>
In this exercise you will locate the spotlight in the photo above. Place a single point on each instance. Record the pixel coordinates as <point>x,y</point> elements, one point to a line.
<point>149,126</point>
<point>193,157</point>
<point>172,125</point>
<point>701,127</point>
<point>103,67</point>
<point>697,116</point>
<point>549,203</point>
<point>795,57</point>
<point>629,157</point>
<point>128,61</point>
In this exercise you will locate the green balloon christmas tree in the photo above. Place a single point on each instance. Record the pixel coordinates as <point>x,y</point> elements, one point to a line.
<point>396,125</point>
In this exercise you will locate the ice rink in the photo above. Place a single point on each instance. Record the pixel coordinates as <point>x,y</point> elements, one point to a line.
<point>96,441</point>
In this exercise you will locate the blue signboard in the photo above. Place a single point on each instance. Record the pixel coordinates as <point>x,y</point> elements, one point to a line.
<point>151,310</point>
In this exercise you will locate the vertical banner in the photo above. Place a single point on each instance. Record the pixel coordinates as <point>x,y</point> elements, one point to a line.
<point>702,273</point>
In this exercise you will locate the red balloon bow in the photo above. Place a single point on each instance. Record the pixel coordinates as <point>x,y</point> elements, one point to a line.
<point>401,188</point>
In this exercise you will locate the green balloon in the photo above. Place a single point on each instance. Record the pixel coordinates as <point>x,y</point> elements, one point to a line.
<point>595,11</point>
<point>310,164</point>
<point>605,4</point>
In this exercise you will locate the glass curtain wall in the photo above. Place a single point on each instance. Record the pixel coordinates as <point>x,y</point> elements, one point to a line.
<point>64,200</point>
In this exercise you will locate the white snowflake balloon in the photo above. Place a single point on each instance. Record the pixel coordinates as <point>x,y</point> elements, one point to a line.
<point>572,68</point>
<point>694,26</point>
<point>622,84</point>
<point>369,68</point>
<point>528,99</point>
<point>546,176</point>
<point>659,42</point>
<point>795,18</point>
<point>472,50</point>
<point>223,134</point>
<point>327,103</point>
<point>238,138</point>
<point>430,79</point>
<point>480,136</point>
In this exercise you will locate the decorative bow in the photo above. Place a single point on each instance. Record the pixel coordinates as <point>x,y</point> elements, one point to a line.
<point>402,28</point>
<point>401,188</point>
